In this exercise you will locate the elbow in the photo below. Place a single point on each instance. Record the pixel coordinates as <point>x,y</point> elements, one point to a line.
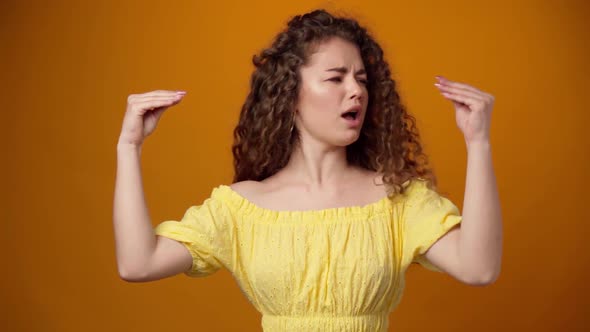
<point>480,274</point>
<point>130,276</point>
<point>482,279</point>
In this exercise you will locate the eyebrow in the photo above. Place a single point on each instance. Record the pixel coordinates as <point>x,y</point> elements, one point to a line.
<point>343,70</point>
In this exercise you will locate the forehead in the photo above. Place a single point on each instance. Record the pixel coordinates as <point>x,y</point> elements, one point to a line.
<point>335,52</point>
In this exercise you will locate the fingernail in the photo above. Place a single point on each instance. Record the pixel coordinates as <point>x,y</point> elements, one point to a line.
<point>181,92</point>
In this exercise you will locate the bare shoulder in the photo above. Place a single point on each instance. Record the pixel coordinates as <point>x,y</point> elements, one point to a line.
<point>246,188</point>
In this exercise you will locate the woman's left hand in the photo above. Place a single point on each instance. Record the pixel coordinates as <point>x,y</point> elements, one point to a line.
<point>473,109</point>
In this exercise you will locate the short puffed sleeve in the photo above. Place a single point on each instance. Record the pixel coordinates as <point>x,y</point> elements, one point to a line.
<point>427,217</point>
<point>205,231</point>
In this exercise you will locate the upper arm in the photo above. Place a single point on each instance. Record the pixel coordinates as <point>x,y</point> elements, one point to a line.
<point>169,259</point>
<point>432,227</point>
<point>206,233</point>
<point>444,253</point>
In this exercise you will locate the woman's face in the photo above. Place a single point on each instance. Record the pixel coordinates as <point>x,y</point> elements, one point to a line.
<point>333,81</point>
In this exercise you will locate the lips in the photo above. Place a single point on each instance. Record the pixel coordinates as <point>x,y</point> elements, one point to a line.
<point>352,113</point>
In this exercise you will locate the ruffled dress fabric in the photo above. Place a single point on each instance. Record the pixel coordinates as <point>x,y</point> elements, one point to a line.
<point>336,269</point>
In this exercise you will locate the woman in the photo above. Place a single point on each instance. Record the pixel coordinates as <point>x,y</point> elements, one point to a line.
<point>332,198</point>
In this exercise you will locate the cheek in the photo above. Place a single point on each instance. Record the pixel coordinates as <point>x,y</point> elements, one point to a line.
<point>321,98</point>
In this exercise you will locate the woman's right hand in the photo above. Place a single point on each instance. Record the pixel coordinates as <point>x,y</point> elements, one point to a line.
<point>143,113</point>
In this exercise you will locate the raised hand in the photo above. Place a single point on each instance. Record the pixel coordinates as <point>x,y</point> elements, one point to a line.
<point>473,109</point>
<point>143,113</point>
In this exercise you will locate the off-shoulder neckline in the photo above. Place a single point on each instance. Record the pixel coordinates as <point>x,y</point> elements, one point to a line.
<point>248,207</point>
<point>246,200</point>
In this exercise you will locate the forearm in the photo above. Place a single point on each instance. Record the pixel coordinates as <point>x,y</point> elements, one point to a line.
<point>134,237</point>
<point>480,241</point>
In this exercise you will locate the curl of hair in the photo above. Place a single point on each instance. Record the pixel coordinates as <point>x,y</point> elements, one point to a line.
<point>389,142</point>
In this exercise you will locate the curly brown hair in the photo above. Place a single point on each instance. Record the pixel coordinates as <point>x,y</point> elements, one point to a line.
<point>264,137</point>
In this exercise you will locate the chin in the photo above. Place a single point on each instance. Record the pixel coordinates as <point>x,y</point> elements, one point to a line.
<point>348,138</point>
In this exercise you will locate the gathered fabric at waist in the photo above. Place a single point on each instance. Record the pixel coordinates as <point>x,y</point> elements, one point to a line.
<point>324,323</point>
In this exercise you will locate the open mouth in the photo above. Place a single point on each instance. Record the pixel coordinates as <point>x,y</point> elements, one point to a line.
<point>352,115</point>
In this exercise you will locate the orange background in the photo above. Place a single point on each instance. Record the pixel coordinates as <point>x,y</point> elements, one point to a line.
<point>68,67</point>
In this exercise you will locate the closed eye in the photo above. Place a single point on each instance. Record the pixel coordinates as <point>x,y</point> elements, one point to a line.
<point>338,79</point>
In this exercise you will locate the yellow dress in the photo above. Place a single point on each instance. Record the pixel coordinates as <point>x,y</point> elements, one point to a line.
<point>336,269</point>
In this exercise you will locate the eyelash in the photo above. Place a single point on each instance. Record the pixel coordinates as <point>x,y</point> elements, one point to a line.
<point>339,80</point>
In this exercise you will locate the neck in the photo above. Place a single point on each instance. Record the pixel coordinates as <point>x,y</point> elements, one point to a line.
<point>318,167</point>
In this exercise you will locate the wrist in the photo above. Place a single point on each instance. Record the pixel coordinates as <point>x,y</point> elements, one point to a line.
<point>479,145</point>
<point>124,146</point>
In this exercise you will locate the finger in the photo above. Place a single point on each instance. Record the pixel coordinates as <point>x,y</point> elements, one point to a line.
<point>458,91</point>
<point>165,106</point>
<point>469,101</point>
<point>162,92</point>
<point>157,93</point>
<point>463,86</point>
<point>148,98</point>
<point>153,104</point>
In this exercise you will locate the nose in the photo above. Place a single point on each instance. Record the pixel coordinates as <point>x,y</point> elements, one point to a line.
<point>356,90</point>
